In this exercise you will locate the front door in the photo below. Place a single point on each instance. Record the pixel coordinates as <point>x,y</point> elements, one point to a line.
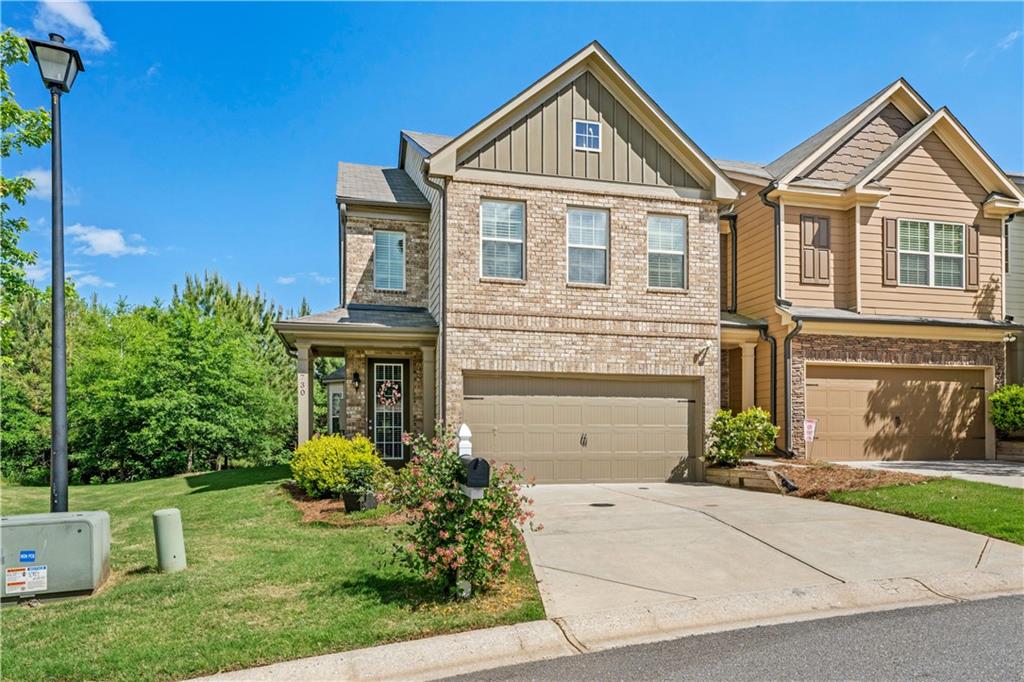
<point>388,407</point>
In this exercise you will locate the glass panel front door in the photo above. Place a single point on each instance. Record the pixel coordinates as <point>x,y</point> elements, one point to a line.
<point>388,408</point>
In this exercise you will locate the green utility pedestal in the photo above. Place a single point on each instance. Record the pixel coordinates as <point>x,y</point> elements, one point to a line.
<point>170,541</point>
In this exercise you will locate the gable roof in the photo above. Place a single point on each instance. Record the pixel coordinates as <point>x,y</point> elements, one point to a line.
<point>376,185</point>
<point>427,142</point>
<point>597,60</point>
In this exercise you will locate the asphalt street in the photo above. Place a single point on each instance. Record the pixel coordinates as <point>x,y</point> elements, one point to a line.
<point>979,640</point>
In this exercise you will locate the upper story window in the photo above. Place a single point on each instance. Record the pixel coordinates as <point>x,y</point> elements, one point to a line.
<point>587,136</point>
<point>931,254</point>
<point>587,241</point>
<point>666,251</point>
<point>502,229</point>
<point>389,260</point>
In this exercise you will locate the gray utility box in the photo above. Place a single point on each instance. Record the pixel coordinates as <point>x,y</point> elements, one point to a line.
<point>46,555</point>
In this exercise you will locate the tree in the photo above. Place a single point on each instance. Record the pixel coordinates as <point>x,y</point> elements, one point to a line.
<point>20,128</point>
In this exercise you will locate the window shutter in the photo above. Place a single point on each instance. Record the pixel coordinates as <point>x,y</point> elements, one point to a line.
<point>823,246</point>
<point>890,258</point>
<point>972,275</point>
<point>808,258</point>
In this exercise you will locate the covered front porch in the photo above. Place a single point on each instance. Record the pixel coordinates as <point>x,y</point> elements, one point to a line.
<point>739,338</point>
<point>387,386</point>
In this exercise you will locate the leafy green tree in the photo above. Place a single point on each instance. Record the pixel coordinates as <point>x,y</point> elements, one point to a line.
<point>20,128</point>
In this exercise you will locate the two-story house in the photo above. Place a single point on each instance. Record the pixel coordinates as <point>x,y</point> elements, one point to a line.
<point>575,279</point>
<point>549,276</point>
<point>874,252</point>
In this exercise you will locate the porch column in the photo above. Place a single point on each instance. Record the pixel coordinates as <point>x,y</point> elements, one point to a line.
<point>747,370</point>
<point>429,389</point>
<point>304,368</point>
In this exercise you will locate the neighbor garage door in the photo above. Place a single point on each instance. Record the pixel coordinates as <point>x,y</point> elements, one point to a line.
<point>574,430</point>
<point>896,413</point>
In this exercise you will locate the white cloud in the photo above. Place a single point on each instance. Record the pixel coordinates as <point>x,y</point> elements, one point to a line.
<point>73,19</point>
<point>97,241</point>
<point>968,57</point>
<point>1008,40</point>
<point>286,279</point>
<point>40,177</point>
<point>92,281</point>
<point>153,71</point>
<point>38,271</point>
<point>320,279</point>
<point>313,276</point>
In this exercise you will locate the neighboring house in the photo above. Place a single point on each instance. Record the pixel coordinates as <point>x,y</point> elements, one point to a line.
<point>563,277</point>
<point>549,276</point>
<point>874,252</point>
<point>1014,266</point>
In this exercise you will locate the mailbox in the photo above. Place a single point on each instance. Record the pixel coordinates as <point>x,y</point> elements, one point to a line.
<point>477,473</point>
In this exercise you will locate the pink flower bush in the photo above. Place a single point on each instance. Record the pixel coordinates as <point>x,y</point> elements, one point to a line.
<point>450,536</point>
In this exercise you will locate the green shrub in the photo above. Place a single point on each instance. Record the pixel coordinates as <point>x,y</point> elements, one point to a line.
<point>733,437</point>
<point>450,537</point>
<point>327,466</point>
<point>1008,408</point>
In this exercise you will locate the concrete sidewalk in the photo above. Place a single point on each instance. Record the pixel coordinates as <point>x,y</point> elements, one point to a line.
<point>995,471</point>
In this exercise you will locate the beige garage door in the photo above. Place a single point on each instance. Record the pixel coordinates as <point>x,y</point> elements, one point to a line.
<point>896,413</point>
<point>575,430</point>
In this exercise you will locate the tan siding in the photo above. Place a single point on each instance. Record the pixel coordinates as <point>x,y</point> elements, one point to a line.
<point>413,166</point>
<point>840,291</point>
<point>932,184</point>
<point>542,142</point>
<point>855,154</point>
<point>1015,277</point>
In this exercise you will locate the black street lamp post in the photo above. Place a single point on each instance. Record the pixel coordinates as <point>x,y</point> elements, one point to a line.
<point>58,65</point>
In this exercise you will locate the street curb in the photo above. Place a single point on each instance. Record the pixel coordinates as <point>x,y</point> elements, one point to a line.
<point>467,652</point>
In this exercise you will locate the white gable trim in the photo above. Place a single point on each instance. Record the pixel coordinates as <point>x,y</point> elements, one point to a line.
<point>597,60</point>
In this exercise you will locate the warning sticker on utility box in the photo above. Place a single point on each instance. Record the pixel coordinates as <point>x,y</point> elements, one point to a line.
<point>25,579</point>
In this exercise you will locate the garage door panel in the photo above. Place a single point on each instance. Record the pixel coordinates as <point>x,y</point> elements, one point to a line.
<point>896,413</point>
<point>630,436</point>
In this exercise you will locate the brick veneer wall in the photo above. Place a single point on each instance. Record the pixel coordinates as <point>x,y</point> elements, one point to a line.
<point>355,401</point>
<point>359,262</point>
<point>894,351</point>
<point>723,399</point>
<point>546,325</point>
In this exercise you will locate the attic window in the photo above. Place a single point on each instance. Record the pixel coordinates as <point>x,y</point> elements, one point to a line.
<point>587,136</point>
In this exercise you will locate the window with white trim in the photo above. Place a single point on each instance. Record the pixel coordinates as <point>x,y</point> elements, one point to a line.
<point>586,135</point>
<point>666,251</point>
<point>931,253</point>
<point>587,239</point>
<point>389,260</point>
<point>502,229</point>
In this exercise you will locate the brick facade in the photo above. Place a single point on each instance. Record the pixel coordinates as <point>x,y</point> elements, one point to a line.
<point>355,400</point>
<point>892,351</point>
<point>359,262</point>
<point>546,325</point>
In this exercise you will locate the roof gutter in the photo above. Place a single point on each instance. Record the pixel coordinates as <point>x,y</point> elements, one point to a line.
<point>342,224</point>
<point>442,336</point>
<point>777,211</point>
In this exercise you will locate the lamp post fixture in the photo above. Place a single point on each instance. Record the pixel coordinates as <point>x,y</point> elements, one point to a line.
<point>58,65</point>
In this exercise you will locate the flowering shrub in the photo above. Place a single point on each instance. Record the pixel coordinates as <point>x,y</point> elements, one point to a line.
<point>452,537</point>
<point>1008,408</point>
<point>733,437</point>
<point>327,466</point>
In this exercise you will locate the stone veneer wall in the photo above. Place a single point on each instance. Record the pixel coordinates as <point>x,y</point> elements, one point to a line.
<point>545,325</point>
<point>894,351</point>
<point>359,262</point>
<point>355,401</point>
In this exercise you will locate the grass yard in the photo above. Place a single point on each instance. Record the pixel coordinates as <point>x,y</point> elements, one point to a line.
<point>262,586</point>
<point>992,510</point>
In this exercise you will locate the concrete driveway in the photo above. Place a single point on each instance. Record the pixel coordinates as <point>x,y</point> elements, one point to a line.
<point>611,546</point>
<point>996,471</point>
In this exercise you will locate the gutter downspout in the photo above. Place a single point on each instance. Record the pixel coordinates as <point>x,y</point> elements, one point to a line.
<point>772,370</point>
<point>442,192</point>
<point>781,303</point>
<point>342,222</point>
<point>777,210</point>
<point>788,353</point>
<point>734,293</point>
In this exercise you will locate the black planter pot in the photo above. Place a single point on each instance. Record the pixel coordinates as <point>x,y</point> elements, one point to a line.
<point>358,502</point>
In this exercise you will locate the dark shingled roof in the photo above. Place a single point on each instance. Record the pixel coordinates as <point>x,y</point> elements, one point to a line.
<point>378,185</point>
<point>384,317</point>
<point>431,142</point>
<point>840,315</point>
<point>737,320</point>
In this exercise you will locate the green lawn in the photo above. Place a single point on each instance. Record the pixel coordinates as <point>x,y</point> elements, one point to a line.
<point>992,510</point>
<point>261,587</point>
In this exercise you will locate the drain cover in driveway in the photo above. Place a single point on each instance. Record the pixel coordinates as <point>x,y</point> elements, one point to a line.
<point>601,504</point>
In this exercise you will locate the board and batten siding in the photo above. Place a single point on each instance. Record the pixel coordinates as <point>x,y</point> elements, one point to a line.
<point>1015,274</point>
<point>541,142</point>
<point>865,146</point>
<point>840,292</point>
<point>414,168</point>
<point>931,183</point>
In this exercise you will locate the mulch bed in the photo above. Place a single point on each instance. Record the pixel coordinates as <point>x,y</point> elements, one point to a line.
<point>332,511</point>
<point>816,481</point>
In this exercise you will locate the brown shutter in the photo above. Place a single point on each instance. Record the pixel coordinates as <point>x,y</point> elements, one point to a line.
<point>889,252</point>
<point>971,279</point>
<point>823,245</point>
<point>807,255</point>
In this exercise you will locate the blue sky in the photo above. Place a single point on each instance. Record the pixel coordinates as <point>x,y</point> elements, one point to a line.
<point>205,136</point>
